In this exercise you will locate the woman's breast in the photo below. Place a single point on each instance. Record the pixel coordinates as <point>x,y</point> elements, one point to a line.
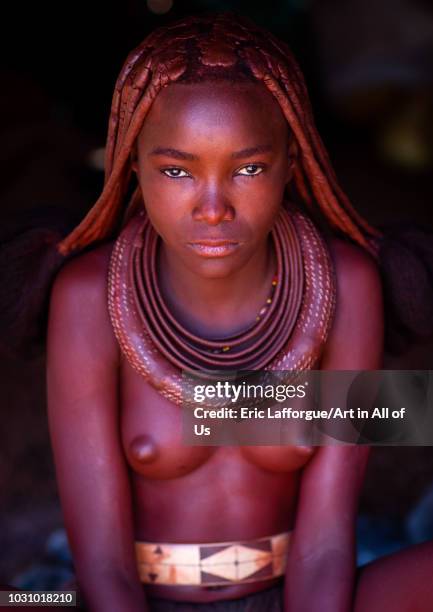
<point>151,429</point>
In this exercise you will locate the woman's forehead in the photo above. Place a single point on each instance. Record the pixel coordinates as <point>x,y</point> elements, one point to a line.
<point>208,106</point>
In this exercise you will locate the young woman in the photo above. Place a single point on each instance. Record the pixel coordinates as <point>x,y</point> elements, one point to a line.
<point>212,127</point>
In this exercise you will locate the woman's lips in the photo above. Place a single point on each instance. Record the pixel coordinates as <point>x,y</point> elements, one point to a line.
<point>214,248</point>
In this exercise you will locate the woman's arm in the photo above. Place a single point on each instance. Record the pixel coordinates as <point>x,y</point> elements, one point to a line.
<point>83,411</point>
<point>321,564</point>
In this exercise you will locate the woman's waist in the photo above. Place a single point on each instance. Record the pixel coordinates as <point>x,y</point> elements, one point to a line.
<point>172,513</point>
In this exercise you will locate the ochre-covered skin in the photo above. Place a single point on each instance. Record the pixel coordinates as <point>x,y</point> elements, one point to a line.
<point>213,159</point>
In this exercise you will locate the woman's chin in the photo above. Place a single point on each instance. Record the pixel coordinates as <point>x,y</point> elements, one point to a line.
<point>216,269</point>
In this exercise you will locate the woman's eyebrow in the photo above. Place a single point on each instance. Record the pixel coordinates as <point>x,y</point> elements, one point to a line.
<point>175,153</point>
<point>252,151</point>
<point>183,155</point>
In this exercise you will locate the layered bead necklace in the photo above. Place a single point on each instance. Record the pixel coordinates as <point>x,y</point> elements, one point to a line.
<point>288,334</point>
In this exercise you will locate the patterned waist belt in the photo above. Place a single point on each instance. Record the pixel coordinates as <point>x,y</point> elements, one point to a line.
<point>212,564</point>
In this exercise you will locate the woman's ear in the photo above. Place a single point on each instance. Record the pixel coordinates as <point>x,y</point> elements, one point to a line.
<point>292,156</point>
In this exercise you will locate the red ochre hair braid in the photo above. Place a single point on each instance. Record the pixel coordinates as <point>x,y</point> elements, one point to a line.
<point>199,48</point>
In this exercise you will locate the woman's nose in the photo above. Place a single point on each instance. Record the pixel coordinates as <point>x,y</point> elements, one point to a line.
<point>214,209</point>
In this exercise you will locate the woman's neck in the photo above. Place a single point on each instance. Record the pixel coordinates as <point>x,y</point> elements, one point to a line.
<point>217,307</point>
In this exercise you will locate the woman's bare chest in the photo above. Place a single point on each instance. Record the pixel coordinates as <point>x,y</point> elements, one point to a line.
<point>152,438</point>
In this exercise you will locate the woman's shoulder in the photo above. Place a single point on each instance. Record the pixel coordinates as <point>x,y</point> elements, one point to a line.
<point>79,296</point>
<point>355,269</point>
<point>85,275</point>
<point>356,337</point>
<point>86,272</point>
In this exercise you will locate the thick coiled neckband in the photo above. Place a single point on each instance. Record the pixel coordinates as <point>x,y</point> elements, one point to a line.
<point>289,336</point>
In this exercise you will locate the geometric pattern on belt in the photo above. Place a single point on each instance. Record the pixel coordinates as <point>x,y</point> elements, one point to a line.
<point>212,564</point>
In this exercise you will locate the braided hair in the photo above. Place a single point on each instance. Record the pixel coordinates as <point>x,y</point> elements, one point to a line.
<point>201,48</point>
<point>214,47</point>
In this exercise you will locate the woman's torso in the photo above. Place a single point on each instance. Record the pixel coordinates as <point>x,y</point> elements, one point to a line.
<point>199,494</point>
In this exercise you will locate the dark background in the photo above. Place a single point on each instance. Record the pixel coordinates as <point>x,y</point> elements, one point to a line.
<point>369,75</point>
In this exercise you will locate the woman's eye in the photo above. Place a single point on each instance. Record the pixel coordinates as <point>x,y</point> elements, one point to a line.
<point>250,170</point>
<point>175,172</point>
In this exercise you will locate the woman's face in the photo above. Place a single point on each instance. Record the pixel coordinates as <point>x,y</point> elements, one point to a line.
<point>212,164</point>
